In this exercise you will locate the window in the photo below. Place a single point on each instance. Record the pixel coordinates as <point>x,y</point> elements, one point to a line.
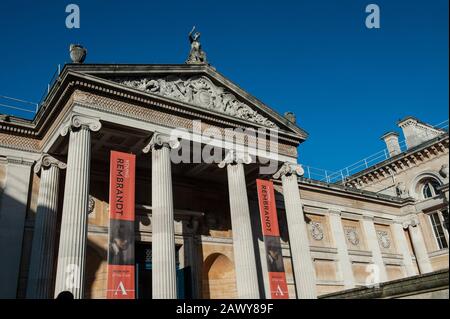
<point>445,218</point>
<point>438,228</point>
<point>430,188</point>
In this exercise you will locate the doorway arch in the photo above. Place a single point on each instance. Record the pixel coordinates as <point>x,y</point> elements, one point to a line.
<point>219,280</point>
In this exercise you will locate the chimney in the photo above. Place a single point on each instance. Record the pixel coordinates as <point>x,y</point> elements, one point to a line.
<point>391,140</point>
<point>417,132</point>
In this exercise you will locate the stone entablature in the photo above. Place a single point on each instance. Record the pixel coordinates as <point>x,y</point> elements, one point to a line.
<point>33,136</point>
<point>400,163</point>
<point>132,111</point>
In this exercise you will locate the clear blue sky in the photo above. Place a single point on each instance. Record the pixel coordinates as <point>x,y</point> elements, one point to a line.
<point>347,84</point>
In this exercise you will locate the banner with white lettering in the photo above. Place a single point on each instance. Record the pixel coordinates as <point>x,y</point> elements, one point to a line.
<point>121,264</point>
<point>271,234</point>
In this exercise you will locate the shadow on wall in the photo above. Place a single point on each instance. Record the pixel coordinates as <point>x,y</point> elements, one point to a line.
<point>96,271</point>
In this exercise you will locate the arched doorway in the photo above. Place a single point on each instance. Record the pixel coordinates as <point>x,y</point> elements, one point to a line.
<point>219,280</point>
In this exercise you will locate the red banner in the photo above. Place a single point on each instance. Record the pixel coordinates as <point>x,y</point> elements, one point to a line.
<point>121,264</point>
<point>271,233</point>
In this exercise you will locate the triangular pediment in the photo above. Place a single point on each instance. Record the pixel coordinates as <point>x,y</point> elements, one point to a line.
<point>198,90</point>
<point>200,86</point>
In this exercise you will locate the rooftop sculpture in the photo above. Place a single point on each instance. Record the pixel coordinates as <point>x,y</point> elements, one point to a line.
<point>196,55</point>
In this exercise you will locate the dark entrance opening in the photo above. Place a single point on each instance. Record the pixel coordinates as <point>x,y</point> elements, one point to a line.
<point>144,273</point>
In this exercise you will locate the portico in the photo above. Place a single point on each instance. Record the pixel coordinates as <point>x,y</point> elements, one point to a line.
<point>77,145</point>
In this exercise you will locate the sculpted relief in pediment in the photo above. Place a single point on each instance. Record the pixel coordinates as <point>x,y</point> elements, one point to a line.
<point>199,91</point>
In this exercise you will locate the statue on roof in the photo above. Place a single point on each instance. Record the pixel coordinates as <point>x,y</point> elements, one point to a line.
<point>196,55</point>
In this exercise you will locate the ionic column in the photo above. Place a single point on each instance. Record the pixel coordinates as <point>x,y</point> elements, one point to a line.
<point>418,243</point>
<point>72,242</point>
<point>403,248</point>
<point>374,247</point>
<point>304,273</point>
<point>164,276</point>
<point>342,250</point>
<point>244,255</point>
<point>43,246</point>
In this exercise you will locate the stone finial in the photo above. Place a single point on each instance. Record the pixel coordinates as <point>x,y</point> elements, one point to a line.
<point>289,169</point>
<point>196,55</point>
<point>290,116</point>
<point>234,157</point>
<point>77,121</point>
<point>45,161</point>
<point>159,140</point>
<point>77,53</point>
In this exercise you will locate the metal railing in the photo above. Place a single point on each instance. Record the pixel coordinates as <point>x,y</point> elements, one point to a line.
<point>18,104</point>
<point>329,176</point>
<point>14,105</point>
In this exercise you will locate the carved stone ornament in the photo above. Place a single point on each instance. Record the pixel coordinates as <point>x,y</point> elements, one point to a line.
<point>159,140</point>
<point>444,171</point>
<point>45,161</point>
<point>91,204</point>
<point>200,91</point>
<point>316,230</point>
<point>78,121</point>
<point>234,157</point>
<point>289,169</point>
<point>401,189</point>
<point>352,236</point>
<point>290,116</point>
<point>383,239</point>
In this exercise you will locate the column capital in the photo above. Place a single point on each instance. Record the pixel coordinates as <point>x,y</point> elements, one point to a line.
<point>160,140</point>
<point>288,169</point>
<point>45,161</point>
<point>234,157</point>
<point>77,121</point>
<point>413,222</point>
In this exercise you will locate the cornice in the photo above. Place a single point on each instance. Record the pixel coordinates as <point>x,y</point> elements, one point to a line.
<point>401,162</point>
<point>353,192</point>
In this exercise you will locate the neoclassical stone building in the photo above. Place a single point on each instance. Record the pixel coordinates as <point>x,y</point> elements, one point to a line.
<point>197,229</point>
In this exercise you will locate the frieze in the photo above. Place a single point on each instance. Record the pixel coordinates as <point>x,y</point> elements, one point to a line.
<point>200,91</point>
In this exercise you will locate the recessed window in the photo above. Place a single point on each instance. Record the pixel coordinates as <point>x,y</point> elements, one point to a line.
<point>438,221</point>
<point>429,188</point>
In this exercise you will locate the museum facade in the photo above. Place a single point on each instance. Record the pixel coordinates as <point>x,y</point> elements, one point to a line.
<point>197,229</point>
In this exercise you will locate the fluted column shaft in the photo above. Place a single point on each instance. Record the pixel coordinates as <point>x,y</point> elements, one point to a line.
<point>41,263</point>
<point>164,284</point>
<point>305,278</point>
<point>420,250</point>
<point>244,255</point>
<point>72,244</point>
